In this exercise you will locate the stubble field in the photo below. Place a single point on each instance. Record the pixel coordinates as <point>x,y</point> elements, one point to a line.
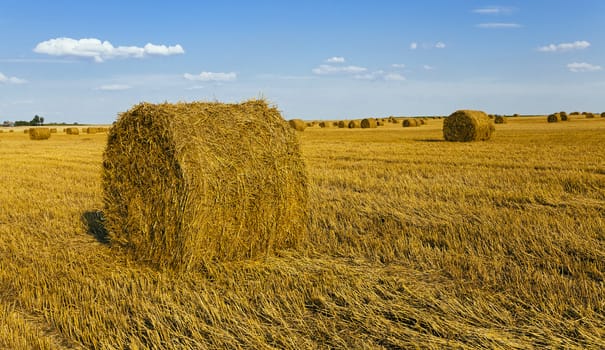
<point>415,243</point>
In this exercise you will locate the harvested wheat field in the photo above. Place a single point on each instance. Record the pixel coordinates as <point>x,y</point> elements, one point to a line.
<point>414,242</point>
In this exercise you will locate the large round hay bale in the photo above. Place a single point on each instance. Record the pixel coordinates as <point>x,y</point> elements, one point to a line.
<point>53,130</point>
<point>603,115</point>
<point>589,115</point>
<point>189,184</point>
<point>409,122</point>
<point>498,119</point>
<point>368,123</point>
<point>343,124</point>
<point>39,133</point>
<point>553,118</point>
<point>467,125</point>
<point>72,131</point>
<point>325,124</point>
<point>354,124</point>
<point>297,124</point>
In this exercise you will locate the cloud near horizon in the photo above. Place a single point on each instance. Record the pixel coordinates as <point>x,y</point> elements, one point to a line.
<point>11,80</point>
<point>582,67</point>
<point>494,10</point>
<point>576,45</point>
<point>326,69</point>
<point>100,51</point>
<point>211,76</point>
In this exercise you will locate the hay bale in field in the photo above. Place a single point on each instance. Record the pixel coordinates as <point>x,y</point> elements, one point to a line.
<point>368,123</point>
<point>354,124</point>
<point>297,124</point>
<point>343,124</point>
<point>39,133</point>
<point>603,115</point>
<point>53,130</point>
<point>193,183</point>
<point>499,120</point>
<point>590,115</point>
<point>26,131</point>
<point>335,123</point>
<point>409,122</point>
<point>72,131</point>
<point>379,123</point>
<point>553,118</point>
<point>563,116</point>
<point>325,124</point>
<point>467,125</point>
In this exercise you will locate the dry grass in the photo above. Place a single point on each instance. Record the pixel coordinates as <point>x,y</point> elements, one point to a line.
<point>416,243</point>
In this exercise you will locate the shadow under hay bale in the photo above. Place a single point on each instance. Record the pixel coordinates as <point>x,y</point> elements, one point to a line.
<point>39,133</point>
<point>297,124</point>
<point>94,226</point>
<point>467,125</point>
<point>190,184</point>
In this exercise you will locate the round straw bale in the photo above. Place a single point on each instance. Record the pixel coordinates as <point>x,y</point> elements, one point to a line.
<point>499,120</point>
<point>553,118</point>
<point>409,122</point>
<point>335,123</point>
<point>297,124</point>
<point>343,124</point>
<point>325,124</point>
<point>53,130</point>
<point>26,131</point>
<point>189,184</point>
<point>563,116</point>
<point>72,131</point>
<point>354,124</point>
<point>368,123</point>
<point>603,115</point>
<point>39,133</point>
<point>589,115</point>
<point>467,125</point>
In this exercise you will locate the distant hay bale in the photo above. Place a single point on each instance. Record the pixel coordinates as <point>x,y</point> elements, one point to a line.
<point>354,124</point>
<point>72,131</point>
<point>325,124</point>
<point>26,131</point>
<point>343,124</point>
<point>499,120</point>
<point>467,125</point>
<point>335,123</point>
<point>409,122</point>
<point>553,118</point>
<point>590,115</point>
<point>39,133</point>
<point>368,123</point>
<point>297,124</point>
<point>190,184</point>
<point>603,115</point>
<point>563,116</point>
<point>379,123</point>
<point>53,130</point>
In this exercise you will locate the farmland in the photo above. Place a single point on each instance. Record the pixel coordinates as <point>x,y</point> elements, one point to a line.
<point>414,242</point>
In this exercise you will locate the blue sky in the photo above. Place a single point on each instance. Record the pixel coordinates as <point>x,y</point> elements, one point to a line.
<point>87,61</point>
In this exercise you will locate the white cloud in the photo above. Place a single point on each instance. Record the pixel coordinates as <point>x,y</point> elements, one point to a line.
<point>498,25</point>
<point>398,65</point>
<point>195,87</point>
<point>326,69</point>
<point>114,87</point>
<point>427,67</point>
<point>440,45</point>
<point>576,45</point>
<point>100,51</point>
<point>380,75</point>
<point>394,77</point>
<point>581,67</point>
<point>11,80</point>
<point>336,59</point>
<point>494,10</point>
<point>413,46</point>
<point>211,76</point>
